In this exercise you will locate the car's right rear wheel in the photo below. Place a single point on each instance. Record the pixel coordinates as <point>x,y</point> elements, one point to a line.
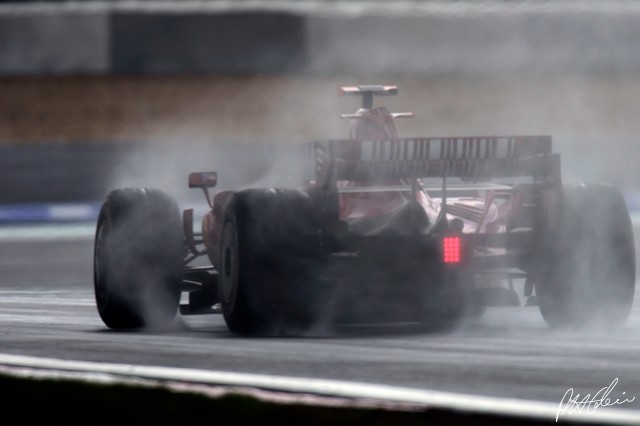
<point>590,274</point>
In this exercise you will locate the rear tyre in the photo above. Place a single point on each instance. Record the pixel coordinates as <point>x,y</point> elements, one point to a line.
<point>590,277</point>
<point>269,257</point>
<point>138,255</point>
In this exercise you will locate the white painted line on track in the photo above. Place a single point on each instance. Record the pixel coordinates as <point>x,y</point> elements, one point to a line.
<point>71,212</point>
<point>332,388</point>
<point>47,232</point>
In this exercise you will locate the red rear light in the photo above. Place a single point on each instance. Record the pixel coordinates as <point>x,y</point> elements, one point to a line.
<point>451,246</point>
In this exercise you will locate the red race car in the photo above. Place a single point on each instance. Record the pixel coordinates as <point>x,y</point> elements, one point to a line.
<point>424,229</point>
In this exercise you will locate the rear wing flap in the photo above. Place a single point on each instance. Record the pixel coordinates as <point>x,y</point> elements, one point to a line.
<point>470,158</point>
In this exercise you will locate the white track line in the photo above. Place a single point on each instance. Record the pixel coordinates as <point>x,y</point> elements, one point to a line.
<point>332,388</point>
<point>47,232</point>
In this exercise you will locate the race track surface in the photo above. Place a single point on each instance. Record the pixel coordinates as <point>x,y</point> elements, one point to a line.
<point>47,309</point>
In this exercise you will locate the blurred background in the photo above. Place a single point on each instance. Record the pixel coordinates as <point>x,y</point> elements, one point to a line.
<point>105,94</point>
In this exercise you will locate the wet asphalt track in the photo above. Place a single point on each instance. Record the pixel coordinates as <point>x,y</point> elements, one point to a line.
<point>47,309</point>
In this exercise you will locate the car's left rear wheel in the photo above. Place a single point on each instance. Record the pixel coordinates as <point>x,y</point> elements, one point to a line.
<point>268,260</point>
<point>138,256</point>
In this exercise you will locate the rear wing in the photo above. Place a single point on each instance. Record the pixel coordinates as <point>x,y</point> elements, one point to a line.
<point>368,92</point>
<point>471,158</point>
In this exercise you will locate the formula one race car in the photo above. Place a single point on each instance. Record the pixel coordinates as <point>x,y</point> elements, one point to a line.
<point>427,230</point>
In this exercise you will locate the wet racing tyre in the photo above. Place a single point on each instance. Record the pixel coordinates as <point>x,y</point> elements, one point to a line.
<point>269,256</point>
<point>590,277</point>
<point>138,255</point>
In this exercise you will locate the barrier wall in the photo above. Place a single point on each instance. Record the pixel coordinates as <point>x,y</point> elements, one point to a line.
<point>232,42</point>
<point>52,42</point>
<point>35,173</point>
<point>232,37</point>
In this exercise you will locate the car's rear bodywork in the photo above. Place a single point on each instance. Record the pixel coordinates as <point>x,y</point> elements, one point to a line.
<point>427,229</point>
